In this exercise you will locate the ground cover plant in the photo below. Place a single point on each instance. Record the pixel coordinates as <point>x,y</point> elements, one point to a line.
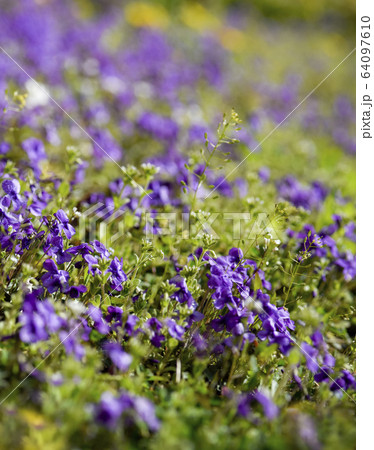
<point>177,268</point>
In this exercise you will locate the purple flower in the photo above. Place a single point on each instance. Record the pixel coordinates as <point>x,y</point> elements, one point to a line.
<point>101,249</point>
<point>71,343</point>
<point>162,194</point>
<point>118,275</point>
<point>182,295</point>
<point>158,126</point>
<point>276,324</point>
<point>323,375</point>
<point>244,403</point>
<point>4,148</point>
<point>39,202</point>
<point>82,249</point>
<point>120,359</point>
<point>154,325</point>
<point>270,409</point>
<point>38,319</point>
<point>200,343</point>
<point>11,187</point>
<point>347,262</point>
<point>54,246</point>
<point>109,410</point>
<point>318,357</point>
<point>231,272</point>
<point>80,173</point>
<point>346,381</point>
<point>231,321</point>
<point>309,198</point>
<point>311,355</point>
<point>317,339</point>
<point>76,291</point>
<point>176,331</point>
<point>65,226</point>
<point>264,174</point>
<point>54,278</point>
<point>146,412</point>
<point>130,325</point>
<point>97,317</point>
<point>103,140</point>
<point>34,149</point>
<point>92,262</point>
<point>196,316</point>
<point>333,227</point>
<point>221,184</point>
<point>57,379</point>
<point>350,231</point>
<point>6,201</point>
<point>114,313</point>
<point>235,255</point>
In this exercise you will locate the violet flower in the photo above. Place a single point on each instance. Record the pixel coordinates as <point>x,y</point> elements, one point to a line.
<point>114,313</point>
<point>76,291</point>
<point>176,331</point>
<point>54,279</point>
<point>38,318</point>
<point>346,381</point>
<point>109,410</point>
<point>118,275</point>
<point>70,340</point>
<point>182,295</point>
<point>271,411</point>
<point>120,359</point>
<point>130,325</point>
<point>97,317</point>
<point>155,327</point>
<point>34,149</point>
<point>64,224</point>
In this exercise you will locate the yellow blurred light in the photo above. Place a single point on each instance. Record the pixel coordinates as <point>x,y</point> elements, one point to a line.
<point>142,14</point>
<point>232,39</point>
<point>196,16</point>
<point>33,418</point>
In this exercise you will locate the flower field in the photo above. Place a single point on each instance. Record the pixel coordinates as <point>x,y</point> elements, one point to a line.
<point>177,225</point>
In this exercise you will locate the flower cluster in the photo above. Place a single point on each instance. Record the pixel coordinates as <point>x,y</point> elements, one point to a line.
<point>122,332</point>
<point>110,409</point>
<point>232,280</point>
<point>309,198</point>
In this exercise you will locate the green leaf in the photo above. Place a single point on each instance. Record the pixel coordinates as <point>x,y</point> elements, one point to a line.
<point>64,189</point>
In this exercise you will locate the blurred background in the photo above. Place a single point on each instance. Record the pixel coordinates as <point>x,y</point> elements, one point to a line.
<point>150,78</point>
